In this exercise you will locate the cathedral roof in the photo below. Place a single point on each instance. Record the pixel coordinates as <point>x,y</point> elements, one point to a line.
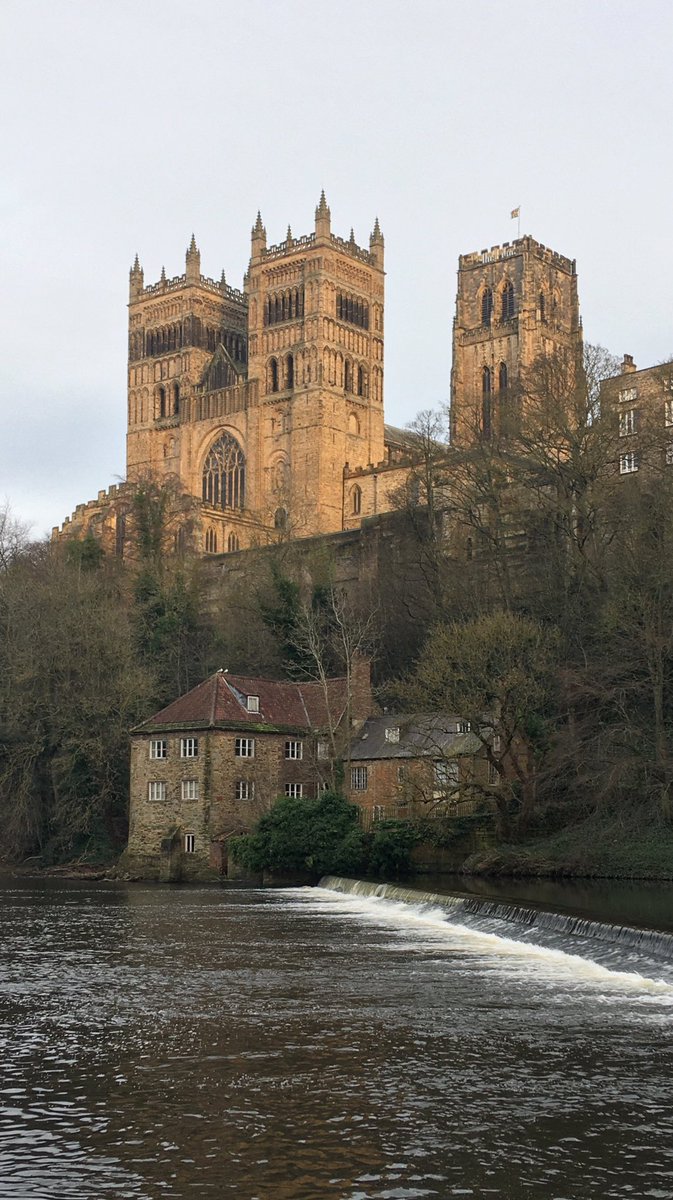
<point>221,702</point>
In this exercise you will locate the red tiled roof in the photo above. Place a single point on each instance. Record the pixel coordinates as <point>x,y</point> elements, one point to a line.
<point>222,700</point>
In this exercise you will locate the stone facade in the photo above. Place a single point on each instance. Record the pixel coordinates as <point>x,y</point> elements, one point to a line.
<point>639,405</point>
<point>515,303</point>
<point>211,763</point>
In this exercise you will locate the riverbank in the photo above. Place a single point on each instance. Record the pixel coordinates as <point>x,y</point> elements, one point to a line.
<point>614,848</point>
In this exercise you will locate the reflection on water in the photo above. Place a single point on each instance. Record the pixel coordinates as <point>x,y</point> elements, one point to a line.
<point>271,1045</point>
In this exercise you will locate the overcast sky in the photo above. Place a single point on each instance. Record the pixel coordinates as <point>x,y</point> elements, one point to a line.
<point>128,124</point>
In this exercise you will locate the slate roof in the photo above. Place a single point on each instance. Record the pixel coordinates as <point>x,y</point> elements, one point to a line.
<point>220,702</point>
<point>421,735</point>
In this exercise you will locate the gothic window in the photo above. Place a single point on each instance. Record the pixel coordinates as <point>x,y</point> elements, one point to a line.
<point>289,371</point>
<point>176,398</point>
<point>161,402</point>
<point>353,423</point>
<point>541,303</point>
<point>486,306</point>
<point>233,543</point>
<point>120,534</point>
<point>273,375</point>
<point>356,501</point>
<point>508,301</point>
<point>224,474</point>
<point>211,541</point>
<point>348,376</point>
<point>280,518</point>
<point>361,382</point>
<point>502,377</point>
<point>486,402</point>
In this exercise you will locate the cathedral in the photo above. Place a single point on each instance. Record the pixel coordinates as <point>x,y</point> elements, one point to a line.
<point>266,405</point>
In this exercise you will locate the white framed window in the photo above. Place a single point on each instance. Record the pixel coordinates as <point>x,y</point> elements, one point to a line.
<point>445,774</point>
<point>401,773</point>
<point>158,748</point>
<point>244,789</point>
<point>359,779</point>
<point>189,747</point>
<point>628,463</point>
<point>496,744</point>
<point>189,843</point>
<point>628,420</point>
<point>378,812</point>
<point>294,749</point>
<point>156,790</point>
<point>294,789</point>
<point>253,703</point>
<point>244,747</point>
<point>190,789</point>
<point>669,455</point>
<point>463,727</point>
<point>668,412</point>
<point>322,749</point>
<point>392,733</point>
<point>628,395</point>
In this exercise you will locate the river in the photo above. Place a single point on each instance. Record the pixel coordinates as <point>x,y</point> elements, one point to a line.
<point>315,1044</point>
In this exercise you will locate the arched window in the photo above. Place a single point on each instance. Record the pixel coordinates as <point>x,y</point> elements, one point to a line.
<point>273,375</point>
<point>508,301</point>
<point>348,376</point>
<point>541,302</point>
<point>361,382</point>
<point>280,518</point>
<point>161,402</point>
<point>211,541</point>
<point>486,306</point>
<point>289,371</point>
<point>120,534</point>
<point>233,542</point>
<point>224,474</point>
<point>356,500</point>
<point>353,423</point>
<point>486,402</point>
<point>176,398</point>
<point>502,377</point>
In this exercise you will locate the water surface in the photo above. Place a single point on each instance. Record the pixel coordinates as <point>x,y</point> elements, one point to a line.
<point>160,1042</point>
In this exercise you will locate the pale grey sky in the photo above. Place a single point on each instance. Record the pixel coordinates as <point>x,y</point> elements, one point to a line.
<point>128,124</point>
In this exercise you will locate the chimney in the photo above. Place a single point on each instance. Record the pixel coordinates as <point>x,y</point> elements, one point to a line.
<point>362,705</point>
<point>628,365</point>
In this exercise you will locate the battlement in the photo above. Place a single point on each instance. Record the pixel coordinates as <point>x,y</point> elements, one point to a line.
<point>180,281</point>
<point>74,522</point>
<point>300,245</point>
<point>513,249</point>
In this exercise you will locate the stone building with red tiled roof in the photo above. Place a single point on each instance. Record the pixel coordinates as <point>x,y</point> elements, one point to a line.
<point>208,765</point>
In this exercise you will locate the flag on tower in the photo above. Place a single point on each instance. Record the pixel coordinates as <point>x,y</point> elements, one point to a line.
<point>516,212</point>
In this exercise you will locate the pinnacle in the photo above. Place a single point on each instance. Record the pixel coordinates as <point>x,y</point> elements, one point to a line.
<point>288,235</point>
<point>163,274</point>
<point>192,246</point>
<point>222,278</point>
<point>377,228</point>
<point>136,263</point>
<point>352,237</point>
<point>258,227</point>
<point>322,208</point>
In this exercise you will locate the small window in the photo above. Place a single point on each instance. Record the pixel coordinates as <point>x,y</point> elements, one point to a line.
<point>628,395</point>
<point>628,421</point>
<point>189,747</point>
<point>244,789</point>
<point>356,501</point>
<point>496,744</point>
<point>294,789</point>
<point>359,779</point>
<point>668,412</point>
<point>253,704</point>
<point>628,463</point>
<point>445,774</point>
<point>233,542</point>
<point>493,775</point>
<point>378,812</point>
<point>392,734</point>
<point>401,773</point>
<point>322,749</point>
<point>190,789</point>
<point>211,541</point>
<point>486,306</point>
<point>294,749</point>
<point>190,843</point>
<point>158,748</point>
<point>463,727</point>
<point>669,455</point>
<point>156,790</point>
<point>244,747</point>
<point>507,302</point>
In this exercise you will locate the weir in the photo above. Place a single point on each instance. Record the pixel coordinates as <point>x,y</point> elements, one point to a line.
<point>649,941</point>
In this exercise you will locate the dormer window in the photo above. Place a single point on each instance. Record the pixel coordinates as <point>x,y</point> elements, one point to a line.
<point>253,704</point>
<point>393,733</point>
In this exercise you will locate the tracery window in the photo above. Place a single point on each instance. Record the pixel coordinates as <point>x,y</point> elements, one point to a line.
<point>502,377</point>
<point>486,402</point>
<point>211,541</point>
<point>233,543</point>
<point>486,306</point>
<point>508,301</point>
<point>356,500</point>
<point>224,474</point>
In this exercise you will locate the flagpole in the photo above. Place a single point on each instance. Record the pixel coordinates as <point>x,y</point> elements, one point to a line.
<point>518,223</point>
